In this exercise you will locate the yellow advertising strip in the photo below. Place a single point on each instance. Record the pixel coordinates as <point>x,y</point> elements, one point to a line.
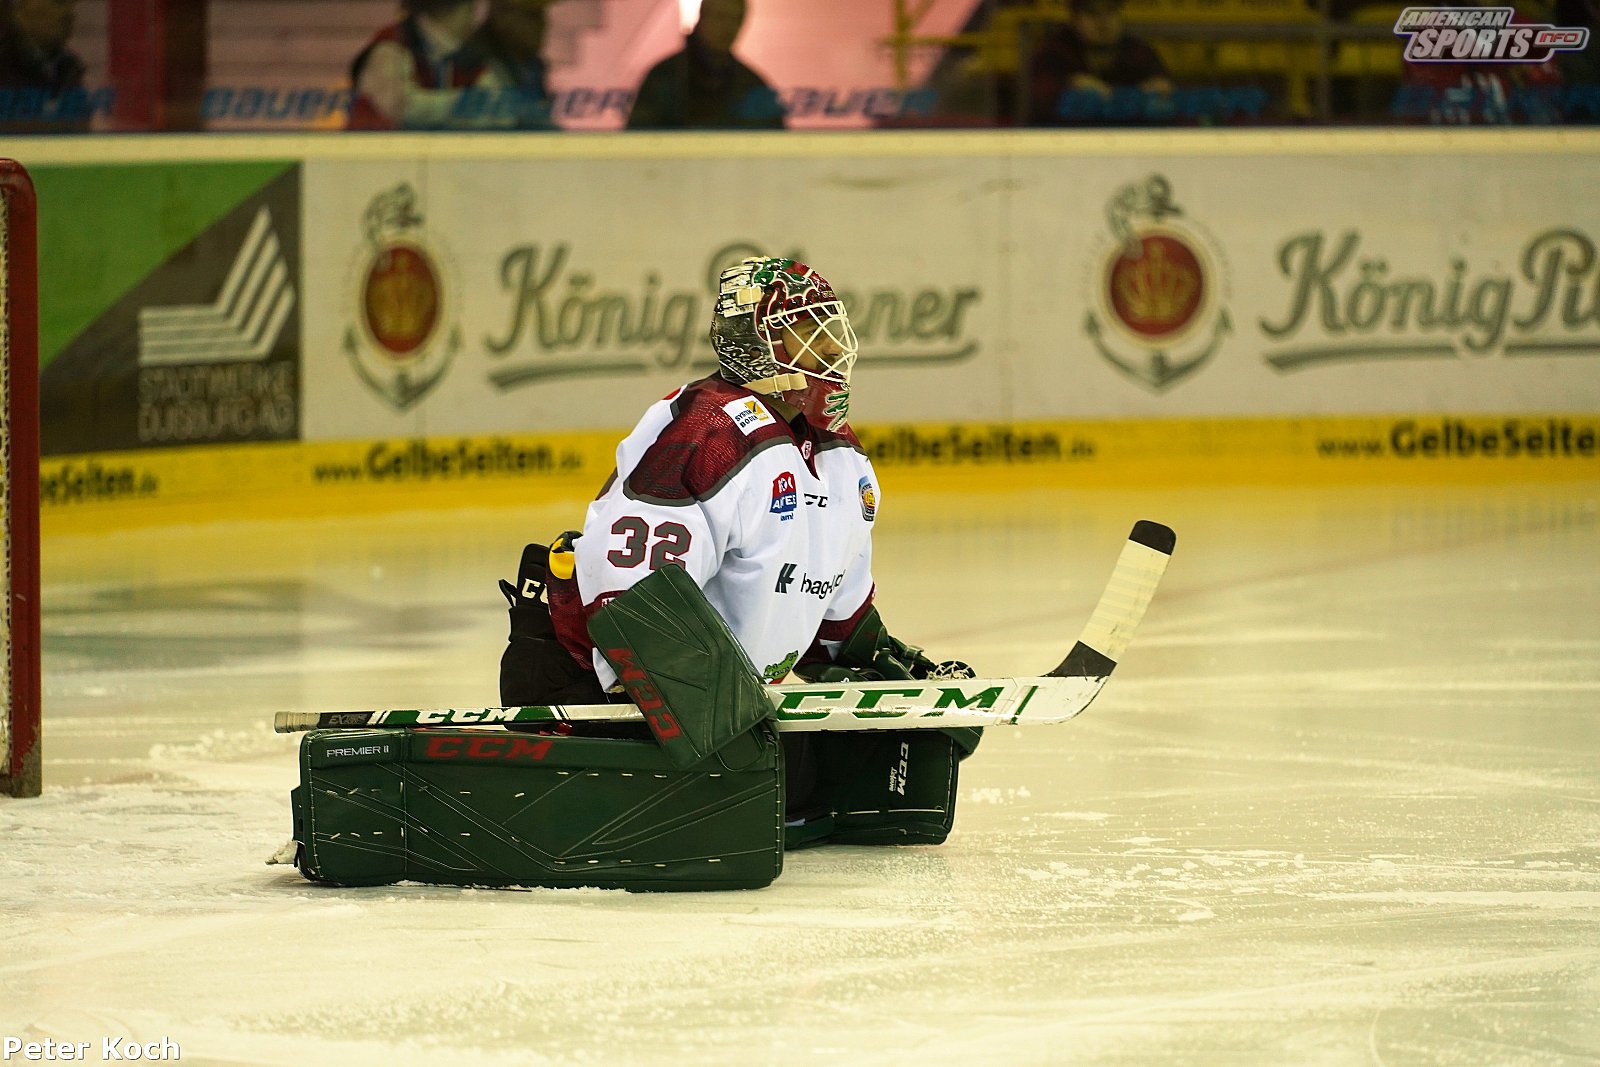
<point>1341,143</point>
<point>1285,451</point>
<point>87,493</point>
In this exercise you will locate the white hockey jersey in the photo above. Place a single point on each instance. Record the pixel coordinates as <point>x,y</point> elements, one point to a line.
<point>774,522</point>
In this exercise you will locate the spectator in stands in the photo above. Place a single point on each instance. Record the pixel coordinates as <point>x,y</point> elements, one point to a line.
<point>1580,71</point>
<point>1480,94</point>
<point>410,75</point>
<point>1090,70</point>
<point>705,86</point>
<point>41,79</point>
<point>509,50</point>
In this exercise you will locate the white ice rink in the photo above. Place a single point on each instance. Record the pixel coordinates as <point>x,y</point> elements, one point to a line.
<point>1339,805</point>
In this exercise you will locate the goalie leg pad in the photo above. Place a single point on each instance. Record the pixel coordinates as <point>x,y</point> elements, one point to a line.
<point>896,788</point>
<point>808,820</point>
<point>491,808</point>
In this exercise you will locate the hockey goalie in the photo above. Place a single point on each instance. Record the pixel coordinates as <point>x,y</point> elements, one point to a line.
<point>752,481</point>
<point>730,549</point>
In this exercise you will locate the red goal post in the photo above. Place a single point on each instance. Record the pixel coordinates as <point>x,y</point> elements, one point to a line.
<point>19,461</point>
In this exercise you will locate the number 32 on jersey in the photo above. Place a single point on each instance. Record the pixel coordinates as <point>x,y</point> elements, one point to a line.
<point>667,543</point>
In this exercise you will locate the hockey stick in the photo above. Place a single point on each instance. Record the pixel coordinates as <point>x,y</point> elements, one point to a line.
<point>1056,697</point>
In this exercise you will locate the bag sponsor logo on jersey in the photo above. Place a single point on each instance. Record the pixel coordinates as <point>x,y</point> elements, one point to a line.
<point>748,414</point>
<point>784,497</point>
<point>869,499</point>
<point>821,590</point>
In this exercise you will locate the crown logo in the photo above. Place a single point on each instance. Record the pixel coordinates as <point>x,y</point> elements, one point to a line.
<point>1156,289</point>
<point>403,336</point>
<point>1159,287</point>
<point>402,300</point>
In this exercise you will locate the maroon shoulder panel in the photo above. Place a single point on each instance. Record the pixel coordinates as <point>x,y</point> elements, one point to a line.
<point>701,447</point>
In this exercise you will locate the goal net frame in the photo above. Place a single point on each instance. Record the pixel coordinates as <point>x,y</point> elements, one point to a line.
<point>20,754</point>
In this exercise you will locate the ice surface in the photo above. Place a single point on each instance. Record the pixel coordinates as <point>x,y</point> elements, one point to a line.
<point>1339,805</point>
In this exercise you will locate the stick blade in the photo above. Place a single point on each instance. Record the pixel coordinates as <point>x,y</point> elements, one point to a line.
<point>1133,583</point>
<point>1154,535</point>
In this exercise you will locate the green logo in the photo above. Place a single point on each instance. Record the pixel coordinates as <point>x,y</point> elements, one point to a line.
<point>781,668</point>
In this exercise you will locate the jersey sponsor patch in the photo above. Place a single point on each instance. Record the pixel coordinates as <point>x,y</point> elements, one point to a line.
<point>869,499</point>
<point>821,589</point>
<point>785,579</point>
<point>749,414</point>
<point>784,497</point>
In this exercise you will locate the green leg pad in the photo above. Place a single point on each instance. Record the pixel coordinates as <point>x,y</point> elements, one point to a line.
<point>896,788</point>
<point>492,808</point>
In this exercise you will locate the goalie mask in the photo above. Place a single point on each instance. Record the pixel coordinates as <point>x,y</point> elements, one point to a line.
<point>780,329</point>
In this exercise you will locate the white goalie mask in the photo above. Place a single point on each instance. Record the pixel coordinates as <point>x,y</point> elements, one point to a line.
<point>780,329</point>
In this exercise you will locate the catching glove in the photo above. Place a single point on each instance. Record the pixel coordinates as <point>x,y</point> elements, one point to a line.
<point>871,654</point>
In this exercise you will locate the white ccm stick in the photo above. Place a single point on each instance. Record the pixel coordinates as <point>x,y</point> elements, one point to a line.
<point>1056,697</point>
